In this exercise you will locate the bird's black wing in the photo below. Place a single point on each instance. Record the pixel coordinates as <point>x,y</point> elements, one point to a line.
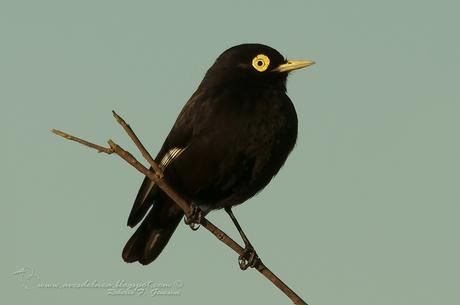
<point>179,138</point>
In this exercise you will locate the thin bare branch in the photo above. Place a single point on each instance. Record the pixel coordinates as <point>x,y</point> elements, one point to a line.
<point>81,141</point>
<point>158,179</point>
<point>138,143</point>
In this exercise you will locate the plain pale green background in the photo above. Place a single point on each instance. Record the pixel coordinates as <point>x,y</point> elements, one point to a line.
<point>365,211</point>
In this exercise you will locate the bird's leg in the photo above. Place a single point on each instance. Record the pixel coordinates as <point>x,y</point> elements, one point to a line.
<point>249,257</point>
<point>193,219</point>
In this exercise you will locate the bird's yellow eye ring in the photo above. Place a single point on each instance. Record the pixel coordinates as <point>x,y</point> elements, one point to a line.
<point>261,62</point>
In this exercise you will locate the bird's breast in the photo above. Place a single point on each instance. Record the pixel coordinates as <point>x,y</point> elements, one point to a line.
<point>260,126</point>
<point>240,142</point>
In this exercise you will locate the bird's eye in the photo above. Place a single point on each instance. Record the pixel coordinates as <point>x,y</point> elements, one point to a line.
<point>261,62</point>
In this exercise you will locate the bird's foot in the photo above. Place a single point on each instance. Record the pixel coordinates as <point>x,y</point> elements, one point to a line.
<point>248,259</point>
<point>193,220</point>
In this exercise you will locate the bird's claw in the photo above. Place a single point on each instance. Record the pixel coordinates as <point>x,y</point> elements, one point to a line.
<point>193,220</point>
<point>248,259</point>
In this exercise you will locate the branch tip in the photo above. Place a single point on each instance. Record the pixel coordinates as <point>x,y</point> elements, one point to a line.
<point>57,132</point>
<point>117,117</point>
<point>81,141</point>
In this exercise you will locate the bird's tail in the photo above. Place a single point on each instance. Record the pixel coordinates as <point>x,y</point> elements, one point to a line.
<point>154,233</point>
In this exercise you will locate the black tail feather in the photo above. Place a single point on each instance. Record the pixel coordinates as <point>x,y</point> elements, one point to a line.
<point>144,200</point>
<point>154,233</point>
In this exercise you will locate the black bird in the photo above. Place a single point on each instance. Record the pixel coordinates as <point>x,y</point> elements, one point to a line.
<point>229,140</point>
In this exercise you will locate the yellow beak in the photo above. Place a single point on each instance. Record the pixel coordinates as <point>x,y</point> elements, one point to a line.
<point>291,65</point>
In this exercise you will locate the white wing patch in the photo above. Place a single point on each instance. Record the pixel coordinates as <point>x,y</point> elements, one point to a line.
<point>172,154</point>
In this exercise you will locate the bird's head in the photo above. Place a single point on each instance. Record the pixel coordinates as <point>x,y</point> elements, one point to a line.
<point>252,65</point>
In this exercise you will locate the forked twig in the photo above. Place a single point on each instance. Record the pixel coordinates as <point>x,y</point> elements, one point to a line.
<point>156,175</point>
